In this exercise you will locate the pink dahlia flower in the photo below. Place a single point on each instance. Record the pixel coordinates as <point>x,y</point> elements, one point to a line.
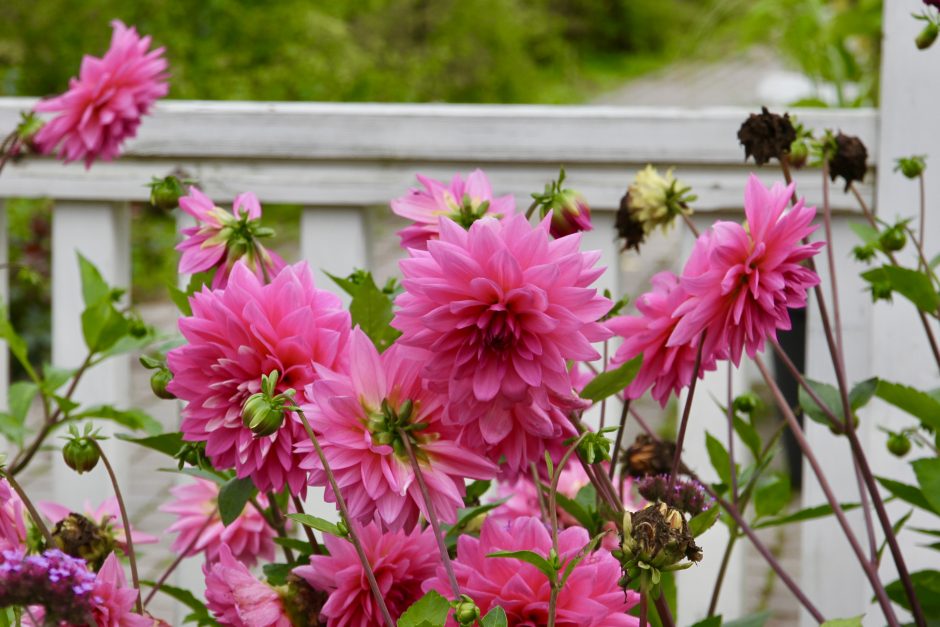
<point>461,201</point>
<point>221,238</point>
<point>495,312</point>
<point>200,527</point>
<point>103,106</point>
<point>752,277</point>
<point>665,368</point>
<point>114,600</point>
<point>357,416</point>
<point>401,563</point>
<point>107,516</point>
<point>237,599</point>
<point>592,596</point>
<point>12,525</point>
<point>235,336</point>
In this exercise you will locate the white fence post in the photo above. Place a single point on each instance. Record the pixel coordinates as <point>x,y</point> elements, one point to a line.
<point>99,231</point>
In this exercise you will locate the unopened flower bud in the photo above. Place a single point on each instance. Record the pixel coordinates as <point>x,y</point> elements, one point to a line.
<point>864,252</point>
<point>899,444</point>
<point>746,403</point>
<point>81,454</point>
<point>466,611</point>
<point>799,153</point>
<point>893,239</point>
<point>911,167</point>
<point>262,414</point>
<point>165,193</point>
<point>881,290</point>
<point>158,382</point>
<point>927,36</point>
<point>570,214</point>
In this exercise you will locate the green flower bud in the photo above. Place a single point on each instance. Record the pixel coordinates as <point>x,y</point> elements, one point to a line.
<point>466,611</point>
<point>262,414</point>
<point>927,36</point>
<point>81,454</point>
<point>911,167</point>
<point>799,153</point>
<point>893,239</point>
<point>158,382</point>
<point>746,403</point>
<point>864,253</point>
<point>165,193</point>
<point>899,444</point>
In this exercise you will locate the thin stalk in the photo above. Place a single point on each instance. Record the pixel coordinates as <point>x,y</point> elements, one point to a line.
<point>432,515</point>
<point>604,400</point>
<point>662,608</point>
<point>277,520</point>
<point>869,568</point>
<point>176,562</point>
<point>552,604</point>
<point>37,520</point>
<point>830,257</point>
<point>543,509</point>
<point>344,511</point>
<point>690,224</point>
<point>553,512</point>
<point>722,571</point>
<point>619,441</point>
<point>730,410</point>
<point>601,482</point>
<point>312,539</point>
<point>643,609</point>
<point>531,209</point>
<point>923,211</point>
<point>685,415</point>
<point>125,520</point>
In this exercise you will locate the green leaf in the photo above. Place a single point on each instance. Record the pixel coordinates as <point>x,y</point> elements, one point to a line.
<point>496,617</point>
<point>370,308</point>
<point>277,573</point>
<point>315,522</point>
<point>233,496</point>
<point>181,300</point>
<point>94,288</point>
<point>301,546</point>
<point>431,610</point>
<point>772,494</point>
<point>719,457</point>
<point>810,513</point>
<point>17,344</point>
<point>855,621</point>
<point>908,493</point>
<point>530,557</point>
<point>865,232</point>
<point>748,435</point>
<point>926,588</point>
<point>703,521</point>
<point>200,614</point>
<point>896,527</point>
<point>710,621</point>
<point>754,620</point>
<point>54,378</point>
<point>830,397</point>
<point>465,516</point>
<point>475,490</point>
<point>613,381</point>
<point>913,285</point>
<point>927,471</point>
<point>861,393</point>
<point>586,550</point>
<point>166,443</point>
<point>103,326</point>
<point>131,418</point>
<point>919,404</point>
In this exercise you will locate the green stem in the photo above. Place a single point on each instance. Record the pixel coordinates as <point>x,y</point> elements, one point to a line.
<point>312,539</point>
<point>685,415</point>
<point>37,520</point>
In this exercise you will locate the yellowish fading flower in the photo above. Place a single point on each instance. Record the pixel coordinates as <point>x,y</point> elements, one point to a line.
<point>654,200</point>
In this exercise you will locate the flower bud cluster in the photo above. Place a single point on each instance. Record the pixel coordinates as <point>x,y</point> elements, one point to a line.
<point>656,539</point>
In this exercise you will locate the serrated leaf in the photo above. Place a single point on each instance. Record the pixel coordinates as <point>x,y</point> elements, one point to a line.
<point>809,513</point>
<point>315,522</point>
<point>926,589</point>
<point>908,493</point>
<point>862,392</point>
<point>719,458</point>
<point>431,610</point>
<point>703,521</point>
<point>200,614</point>
<point>927,471</point>
<point>611,382</point>
<point>913,285</point>
<point>748,435</point>
<point>102,326</point>
<point>496,617</point>
<point>370,308</point>
<point>772,494</point>
<point>233,496</point>
<point>166,443</point>
<point>135,419</point>
<point>830,397</point>
<point>919,404</point>
<point>529,557</point>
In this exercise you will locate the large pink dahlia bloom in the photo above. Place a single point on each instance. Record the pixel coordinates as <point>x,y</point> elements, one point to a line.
<point>752,276</point>
<point>592,596</point>
<point>235,336</point>
<point>237,599</point>
<point>12,524</point>
<point>495,312</point>
<point>401,562</point>
<point>666,369</point>
<point>114,600</point>
<point>200,527</point>
<point>221,238</point>
<point>103,106</point>
<point>461,201</point>
<point>107,516</point>
<point>357,416</point>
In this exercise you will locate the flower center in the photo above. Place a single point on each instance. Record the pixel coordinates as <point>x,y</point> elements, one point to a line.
<point>468,211</point>
<point>390,425</point>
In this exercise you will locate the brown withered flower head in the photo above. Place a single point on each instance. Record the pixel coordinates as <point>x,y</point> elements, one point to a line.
<point>847,158</point>
<point>647,456</point>
<point>766,136</point>
<point>78,536</point>
<point>303,603</point>
<point>629,228</point>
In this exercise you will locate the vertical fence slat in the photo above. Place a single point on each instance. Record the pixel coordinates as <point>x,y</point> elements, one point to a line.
<point>100,232</point>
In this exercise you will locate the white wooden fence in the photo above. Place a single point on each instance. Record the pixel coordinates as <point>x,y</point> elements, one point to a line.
<point>337,160</point>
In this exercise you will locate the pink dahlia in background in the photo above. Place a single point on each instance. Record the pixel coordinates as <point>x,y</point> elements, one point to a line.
<point>12,524</point>
<point>103,106</point>
<point>200,527</point>
<point>222,238</point>
<point>495,313</point>
<point>107,516</point>
<point>237,599</point>
<point>666,369</point>
<point>462,201</point>
<point>592,596</point>
<point>358,417</point>
<point>752,275</point>
<point>401,562</point>
<point>114,601</point>
<point>235,336</point>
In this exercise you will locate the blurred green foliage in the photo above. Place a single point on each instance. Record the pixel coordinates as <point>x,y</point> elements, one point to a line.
<point>353,50</point>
